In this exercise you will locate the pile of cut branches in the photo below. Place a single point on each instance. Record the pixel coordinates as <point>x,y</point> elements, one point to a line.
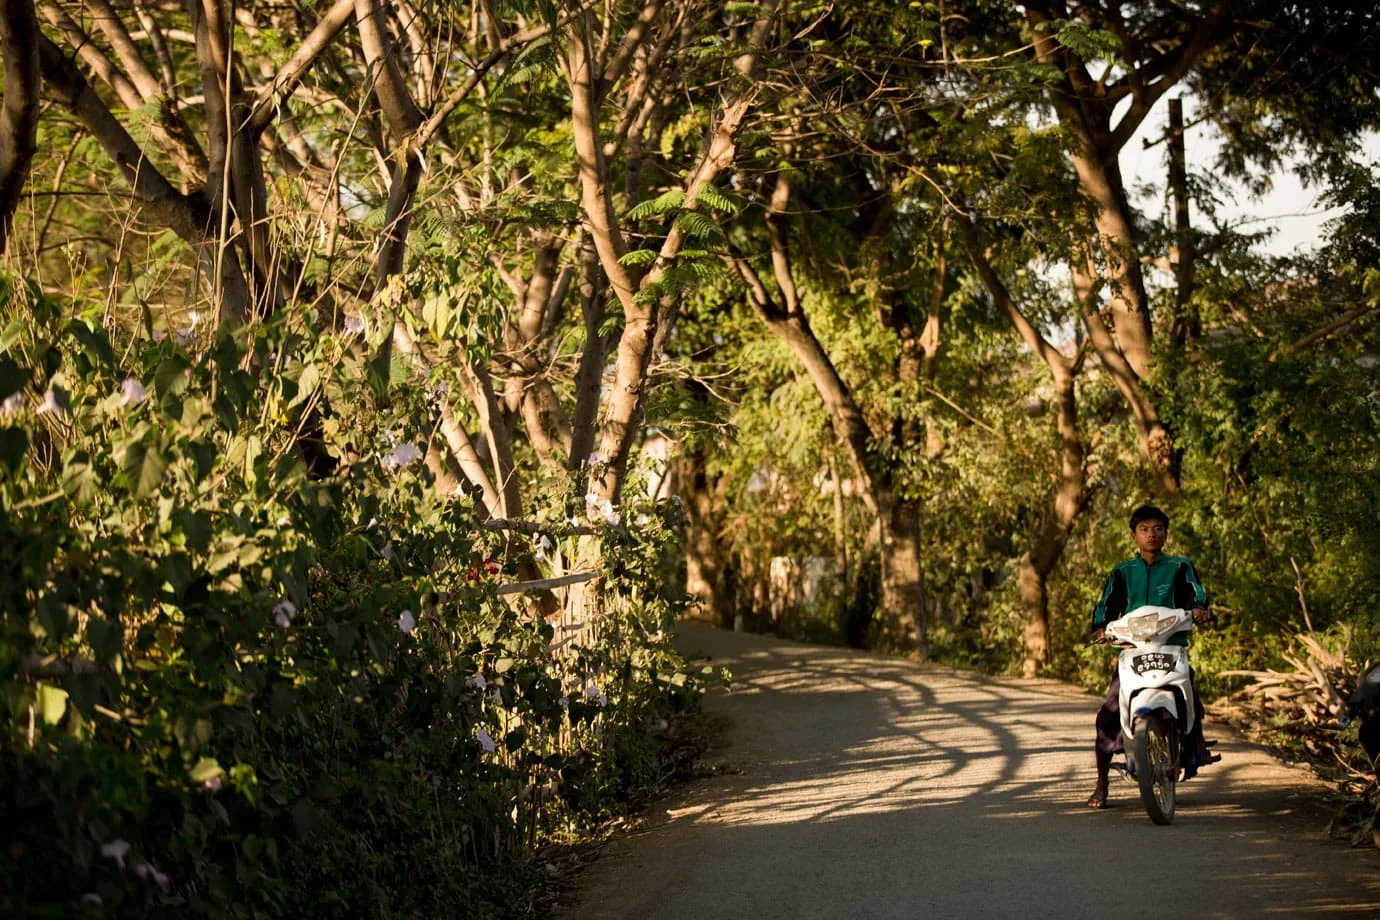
<point>1297,713</point>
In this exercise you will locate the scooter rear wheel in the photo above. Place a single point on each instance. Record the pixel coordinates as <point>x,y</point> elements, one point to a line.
<point>1157,773</point>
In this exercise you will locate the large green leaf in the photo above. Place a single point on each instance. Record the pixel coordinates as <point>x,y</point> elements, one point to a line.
<point>13,378</point>
<point>143,465</point>
<point>14,442</point>
<point>52,703</point>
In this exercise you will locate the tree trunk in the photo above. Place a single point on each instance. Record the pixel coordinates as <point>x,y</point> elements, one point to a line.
<point>706,558</point>
<point>1186,323</point>
<point>1070,498</point>
<point>19,116</point>
<point>901,621</point>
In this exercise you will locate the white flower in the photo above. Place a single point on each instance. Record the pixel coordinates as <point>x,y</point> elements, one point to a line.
<point>477,682</point>
<point>593,693</point>
<point>353,326</point>
<point>404,454</point>
<point>564,702</point>
<point>144,870</point>
<point>195,317</point>
<point>542,545</point>
<point>283,612</point>
<point>407,622</point>
<point>213,783</point>
<point>131,392</point>
<point>486,741</point>
<point>387,550</point>
<point>92,898</point>
<point>55,400</point>
<point>595,458</point>
<point>283,521</point>
<point>116,850</point>
<point>496,693</point>
<point>373,522</point>
<point>186,335</point>
<point>12,404</point>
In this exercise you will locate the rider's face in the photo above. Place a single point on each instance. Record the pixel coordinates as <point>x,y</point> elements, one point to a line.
<point>1150,537</point>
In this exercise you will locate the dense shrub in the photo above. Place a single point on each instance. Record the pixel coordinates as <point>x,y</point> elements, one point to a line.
<point>233,689</point>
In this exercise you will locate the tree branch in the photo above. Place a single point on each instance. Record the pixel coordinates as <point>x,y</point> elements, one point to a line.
<point>290,75</point>
<point>187,217</point>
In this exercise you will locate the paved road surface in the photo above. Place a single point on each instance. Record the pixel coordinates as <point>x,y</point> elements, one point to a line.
<point>856,786</point>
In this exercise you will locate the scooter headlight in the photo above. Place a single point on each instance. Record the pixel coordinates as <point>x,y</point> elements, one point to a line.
<point>1143,626</point>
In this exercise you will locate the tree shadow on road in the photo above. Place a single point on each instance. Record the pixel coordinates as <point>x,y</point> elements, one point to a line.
<point>865,786</point>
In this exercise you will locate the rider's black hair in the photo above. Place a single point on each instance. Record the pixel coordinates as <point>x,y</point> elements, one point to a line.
<point>1149,513</point>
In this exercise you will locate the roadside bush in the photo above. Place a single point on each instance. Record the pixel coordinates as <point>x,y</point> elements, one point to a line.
<point>231,688</point>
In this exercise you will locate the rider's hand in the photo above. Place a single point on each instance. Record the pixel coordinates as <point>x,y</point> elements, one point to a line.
<point>1201,615</point>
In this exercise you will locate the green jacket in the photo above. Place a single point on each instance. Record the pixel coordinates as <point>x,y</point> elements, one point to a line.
<point>1170,582</point>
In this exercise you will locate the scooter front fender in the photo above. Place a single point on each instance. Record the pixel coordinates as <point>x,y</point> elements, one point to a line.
<point>1146,702</point>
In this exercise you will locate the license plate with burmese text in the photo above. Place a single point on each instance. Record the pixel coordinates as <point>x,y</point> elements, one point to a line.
<point>1152,661</point>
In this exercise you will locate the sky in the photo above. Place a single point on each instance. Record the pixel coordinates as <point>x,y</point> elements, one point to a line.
<point>1291,210</point>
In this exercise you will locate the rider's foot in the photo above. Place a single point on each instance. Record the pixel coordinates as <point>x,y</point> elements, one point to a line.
<point>1205,755</point>
<point>1099,797</point>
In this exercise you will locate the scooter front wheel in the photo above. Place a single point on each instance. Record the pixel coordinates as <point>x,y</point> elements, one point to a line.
<point>1157,772</point>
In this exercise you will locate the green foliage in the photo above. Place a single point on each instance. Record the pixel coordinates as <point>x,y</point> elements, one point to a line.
<point>230,688</point>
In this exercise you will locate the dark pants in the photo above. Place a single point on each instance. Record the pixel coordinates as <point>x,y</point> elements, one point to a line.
<point>1108,741</point>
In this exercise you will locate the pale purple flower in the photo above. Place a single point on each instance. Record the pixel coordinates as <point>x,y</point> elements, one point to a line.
<point>387,550</point>
<point>185,336</point>
<point>132,392</point>
<point>564,703</point>
<point>214,783</point>
<point>595,458</point>
<point>477,682</point>
<point>12,404</point>
<point>407,622</point>
<point>353,326</point>
<point>55,400</point>
<point>597,507</point>
<point>594,694</point>
<point>283,612</point>
<point>542,545</point>
<point>160,334</point>
<point>404,454</point>
<point>116,850</point>
<point>145,871</point>
<point>486,741</point>
<point>496,693</point>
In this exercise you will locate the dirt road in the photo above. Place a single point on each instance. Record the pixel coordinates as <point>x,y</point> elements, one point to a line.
<point>855,786</point>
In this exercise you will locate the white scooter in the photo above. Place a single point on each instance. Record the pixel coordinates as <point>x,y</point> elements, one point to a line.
<point>1157,710</point>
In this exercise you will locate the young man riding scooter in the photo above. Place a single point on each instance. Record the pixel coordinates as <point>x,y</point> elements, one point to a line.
<point>1148,578</point>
